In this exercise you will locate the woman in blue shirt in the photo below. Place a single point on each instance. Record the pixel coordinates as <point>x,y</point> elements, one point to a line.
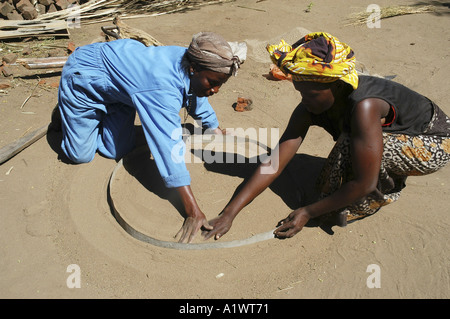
<point>103,85</point>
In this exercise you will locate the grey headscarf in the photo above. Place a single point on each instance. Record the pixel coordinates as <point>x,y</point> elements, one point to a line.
<point>210,51</point>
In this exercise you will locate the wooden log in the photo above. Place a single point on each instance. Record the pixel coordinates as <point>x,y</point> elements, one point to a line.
<point>16,147</point>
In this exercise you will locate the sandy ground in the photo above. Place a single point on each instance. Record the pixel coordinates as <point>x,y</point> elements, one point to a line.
<point>55,214</point>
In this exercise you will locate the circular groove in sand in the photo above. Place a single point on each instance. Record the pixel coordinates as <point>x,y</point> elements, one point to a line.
<point>131,230</point>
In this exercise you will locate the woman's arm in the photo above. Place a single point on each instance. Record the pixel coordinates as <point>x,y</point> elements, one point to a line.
<point>263,177</point>
<point>366,152</point>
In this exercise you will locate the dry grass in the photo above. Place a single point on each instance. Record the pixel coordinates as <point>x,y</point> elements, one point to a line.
<point>388,12</point>
<point>104,10</point>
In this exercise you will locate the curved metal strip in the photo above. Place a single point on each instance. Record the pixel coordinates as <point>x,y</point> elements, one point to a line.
<point>175,245</point>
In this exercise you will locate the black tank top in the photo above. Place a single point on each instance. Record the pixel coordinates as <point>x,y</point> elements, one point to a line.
<point>410,112</point>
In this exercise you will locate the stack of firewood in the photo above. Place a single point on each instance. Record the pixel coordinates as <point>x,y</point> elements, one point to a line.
<point>31,9</point>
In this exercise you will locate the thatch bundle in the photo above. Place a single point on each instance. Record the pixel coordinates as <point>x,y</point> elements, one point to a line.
<point>392,11</point>
<point>73,13</point>
<point>102,10</point>
<point>90,10</point>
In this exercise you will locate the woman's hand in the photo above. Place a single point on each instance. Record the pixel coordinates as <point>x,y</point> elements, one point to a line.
<point>220,226</point>
<point>195,219</point>
<point>292,224</point>
<point>191,226</point>
<point>220,131</point>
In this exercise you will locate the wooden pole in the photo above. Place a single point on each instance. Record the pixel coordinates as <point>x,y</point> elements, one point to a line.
<point>19,145</point>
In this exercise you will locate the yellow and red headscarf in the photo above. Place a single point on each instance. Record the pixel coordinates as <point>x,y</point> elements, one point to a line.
<point>317,57</point>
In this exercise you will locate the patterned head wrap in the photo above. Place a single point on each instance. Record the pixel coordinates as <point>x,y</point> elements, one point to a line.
<point>210,51</point>
<point>317,57</point>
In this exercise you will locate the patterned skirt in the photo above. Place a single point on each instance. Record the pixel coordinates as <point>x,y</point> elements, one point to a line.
<point>403,156</point>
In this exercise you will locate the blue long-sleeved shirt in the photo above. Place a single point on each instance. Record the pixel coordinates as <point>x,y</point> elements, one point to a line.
<point>152,80</point>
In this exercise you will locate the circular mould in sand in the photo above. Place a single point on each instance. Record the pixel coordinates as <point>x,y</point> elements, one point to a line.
<point>152,213</point>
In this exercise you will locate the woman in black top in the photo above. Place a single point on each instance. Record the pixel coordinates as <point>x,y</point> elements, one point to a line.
<point>384,132</point>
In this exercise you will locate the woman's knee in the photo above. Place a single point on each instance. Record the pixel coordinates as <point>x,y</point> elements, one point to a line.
<point>82,159</point>
<point>78,155</point>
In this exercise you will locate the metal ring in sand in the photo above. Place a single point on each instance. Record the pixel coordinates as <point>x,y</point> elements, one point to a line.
<point>176,245</point>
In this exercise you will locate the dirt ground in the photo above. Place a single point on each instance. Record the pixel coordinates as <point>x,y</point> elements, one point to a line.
<point>54,214</point>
